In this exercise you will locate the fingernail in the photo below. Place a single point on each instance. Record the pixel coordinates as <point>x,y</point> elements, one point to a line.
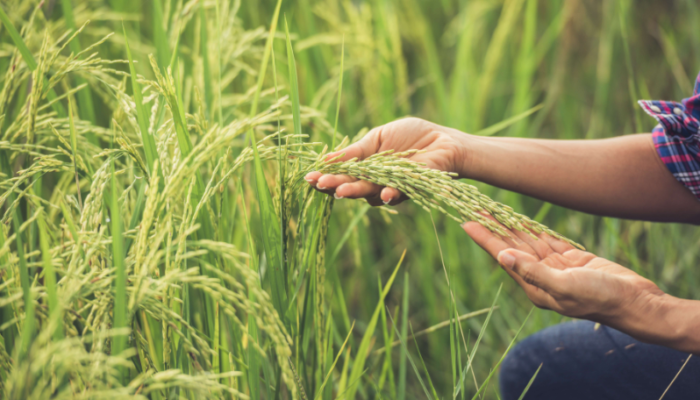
<point>336,196</point>
<point>506,259</point>
<point>308,180</point>
<point>321,187</point>
<point>386,202</point>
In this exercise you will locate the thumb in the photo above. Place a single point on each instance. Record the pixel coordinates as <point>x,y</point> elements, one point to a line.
<point>531,270</point>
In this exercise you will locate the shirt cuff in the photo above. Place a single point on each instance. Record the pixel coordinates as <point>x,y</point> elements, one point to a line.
<point>677,139</point>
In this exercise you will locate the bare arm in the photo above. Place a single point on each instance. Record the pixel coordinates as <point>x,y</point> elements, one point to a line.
<point>620,177</point>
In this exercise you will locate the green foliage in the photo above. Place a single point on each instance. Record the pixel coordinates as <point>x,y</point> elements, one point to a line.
<point>158,240</point>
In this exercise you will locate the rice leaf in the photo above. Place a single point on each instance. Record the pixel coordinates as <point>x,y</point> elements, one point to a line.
<point>253,360</point>
<point>363,351</point>
<point>87,111</point>
<point>401,391</point>
<point>458,388</point>
<point>413,364</point>
<point>29,59</point>
<point>149,144</point>
<point>495,128</point>
<point>74,150</point>
<point>272,237</point>
<point>503,356</point>
<point>527,387</point>
<point>29,323</point>
<point>293,82</point>
<point>160,39</point>
<point>120,300</point>
<point>49,277</point>
<point>19,43</point>
<point>425,369</point>
<point>340,92</point>
<point>204,44</point>
<point>337,357</point>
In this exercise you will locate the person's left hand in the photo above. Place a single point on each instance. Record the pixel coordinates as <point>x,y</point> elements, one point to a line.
<point>572,282</point>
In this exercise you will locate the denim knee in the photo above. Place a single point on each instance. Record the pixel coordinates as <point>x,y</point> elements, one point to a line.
<point>517,369</point>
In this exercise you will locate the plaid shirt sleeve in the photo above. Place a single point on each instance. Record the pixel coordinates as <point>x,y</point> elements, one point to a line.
<point>677,138</point>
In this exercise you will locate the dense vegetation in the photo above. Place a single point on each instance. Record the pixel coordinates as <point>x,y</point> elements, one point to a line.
<point>147,249</point>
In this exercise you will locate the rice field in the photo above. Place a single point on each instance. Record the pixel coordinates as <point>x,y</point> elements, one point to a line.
<point>158,239</point>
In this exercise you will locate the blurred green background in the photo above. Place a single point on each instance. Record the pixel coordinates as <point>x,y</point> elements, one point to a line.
<point>467,64</point>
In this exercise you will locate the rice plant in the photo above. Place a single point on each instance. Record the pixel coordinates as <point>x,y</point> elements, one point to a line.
<point>158,239</point>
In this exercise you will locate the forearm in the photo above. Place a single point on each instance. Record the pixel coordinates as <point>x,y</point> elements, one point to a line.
<point>663,320</point>
<point>619,177</point>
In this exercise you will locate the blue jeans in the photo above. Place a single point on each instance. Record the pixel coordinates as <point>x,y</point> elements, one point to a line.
<point>581,362</point>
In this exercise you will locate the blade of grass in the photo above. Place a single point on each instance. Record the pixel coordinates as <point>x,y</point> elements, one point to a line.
<point>270,224</point>
<point>476,345</point>
<point>439,326</point>
<point>253,362</point>
<point>363,350</point>
<point>505,353</point>
<point>120,317</point>
<point>410,359</point>
<point>340,92</point>
<point>293,82</point>
<point>401,392</point>
<point>29,59</point>
<point>527,387</point>
<point>86,109</point>
<point>71,226</point>
<point>160,39</point>
<point>29,325</point>
<point>49,277</point>
<point>330,372</point>
<point>348,231</point>
<point>204,45</point>
<point>495,128</point>
<point>74,149</point>
<point>149,144</point>
<point>425,369</point>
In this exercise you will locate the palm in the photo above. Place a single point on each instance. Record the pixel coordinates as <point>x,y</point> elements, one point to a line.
<point>559,277</point>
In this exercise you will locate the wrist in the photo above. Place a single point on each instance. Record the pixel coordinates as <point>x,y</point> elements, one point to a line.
<point>471,157</point>
<point>664,320</point>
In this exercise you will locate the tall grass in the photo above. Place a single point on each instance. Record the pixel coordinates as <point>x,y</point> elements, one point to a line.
<point>158,240</point>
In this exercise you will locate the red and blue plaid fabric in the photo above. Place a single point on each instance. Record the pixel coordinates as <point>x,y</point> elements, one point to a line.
<point>677,137</point>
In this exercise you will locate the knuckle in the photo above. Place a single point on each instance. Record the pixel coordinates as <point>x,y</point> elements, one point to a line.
<point>528,274</point>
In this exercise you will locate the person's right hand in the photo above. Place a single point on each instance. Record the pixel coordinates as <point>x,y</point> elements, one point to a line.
<point>443,148</point>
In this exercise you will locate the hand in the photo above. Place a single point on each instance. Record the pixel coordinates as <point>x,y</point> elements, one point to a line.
<point>575,283</point>
<point>444,149</point>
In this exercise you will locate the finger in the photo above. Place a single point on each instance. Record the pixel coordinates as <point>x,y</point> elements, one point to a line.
<point>391,196</point>
<point>538,296</point>
<point>557,245</point>
<point>312,177</point>
<point>485,238</point>
<point>364,148</point>
<point>332,182</point>
<point>540,247</point>
<point>493,243</point>
<point>357,190</point>
<point>374,201</point>
<point>532,271</point>
<point>579,257</point>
